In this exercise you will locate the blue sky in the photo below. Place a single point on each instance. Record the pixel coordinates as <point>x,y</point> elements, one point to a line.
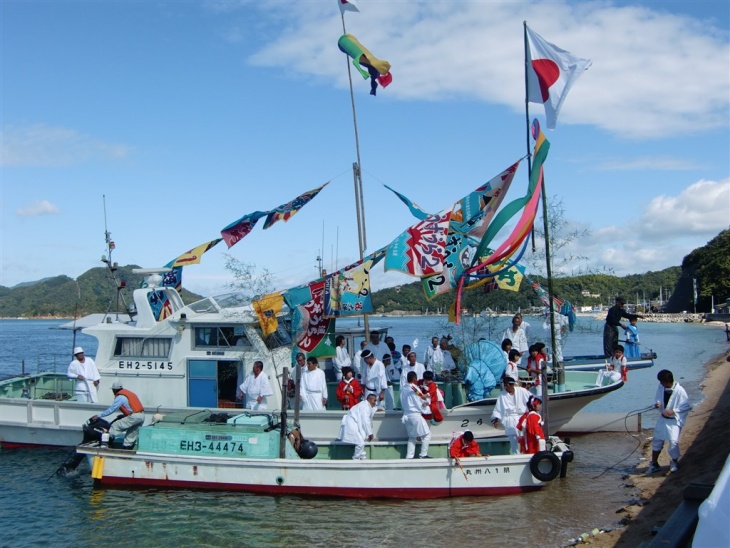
<point>187,115</point>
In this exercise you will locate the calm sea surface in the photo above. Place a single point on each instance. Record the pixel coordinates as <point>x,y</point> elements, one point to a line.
<point>41,509</point>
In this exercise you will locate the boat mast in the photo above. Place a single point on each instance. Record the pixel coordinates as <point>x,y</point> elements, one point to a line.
<point>112,267</point>
<point>357,178</point>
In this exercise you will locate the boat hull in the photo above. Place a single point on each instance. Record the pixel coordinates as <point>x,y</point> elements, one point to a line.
<point>394,479</point>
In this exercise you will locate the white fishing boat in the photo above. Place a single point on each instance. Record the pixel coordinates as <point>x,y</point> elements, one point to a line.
<point>248,453</point>
<point>597,362</point>
<point>197,356</point>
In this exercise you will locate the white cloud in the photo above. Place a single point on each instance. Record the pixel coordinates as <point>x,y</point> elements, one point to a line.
<point>42,145</point>
<point>38,208</point>
<point>702,208</point>
<point>653,73</point>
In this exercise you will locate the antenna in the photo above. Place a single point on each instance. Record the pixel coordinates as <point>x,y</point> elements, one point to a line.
<point>112,267</point>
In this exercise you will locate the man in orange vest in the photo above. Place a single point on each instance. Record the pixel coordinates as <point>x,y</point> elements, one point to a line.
<point>129,405</point>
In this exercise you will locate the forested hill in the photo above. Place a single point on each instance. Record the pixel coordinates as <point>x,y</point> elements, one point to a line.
<point>94,291</point>
<point>64,297</point>
<point>602,287</point>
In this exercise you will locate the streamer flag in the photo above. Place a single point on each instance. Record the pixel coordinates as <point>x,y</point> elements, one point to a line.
<point>194,255</point>
<point>313,332</point>
<point>347,292</point>
<point>347,5</point>
<point>237,230</point>
<point>286,211</point>
<point>564,307</point>
<point>469,219</point>
<point>416,210</point>
<point>376,69</point>
<point>266,309</point>
<point>420,250</point>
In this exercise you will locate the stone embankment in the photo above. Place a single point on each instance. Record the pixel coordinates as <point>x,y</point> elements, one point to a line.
<point>673,318</point>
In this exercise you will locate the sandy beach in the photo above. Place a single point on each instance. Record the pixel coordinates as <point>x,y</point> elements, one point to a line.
<point>705,446</point>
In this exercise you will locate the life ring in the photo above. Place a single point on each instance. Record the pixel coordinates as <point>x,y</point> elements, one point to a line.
<point>538,466</point>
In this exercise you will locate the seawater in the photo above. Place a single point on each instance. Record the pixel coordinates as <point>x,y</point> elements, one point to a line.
<point>40,508</point>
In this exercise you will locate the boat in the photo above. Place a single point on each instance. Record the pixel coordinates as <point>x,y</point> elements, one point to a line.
<point>249,453</point>
<point>596,362</point>
<point>195,358</point>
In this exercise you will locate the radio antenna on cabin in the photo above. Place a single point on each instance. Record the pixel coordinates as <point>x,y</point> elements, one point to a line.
<point>106,258</point>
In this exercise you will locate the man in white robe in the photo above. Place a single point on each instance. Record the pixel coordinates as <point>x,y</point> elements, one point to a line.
<point>518,335</point>
<point>412,365</point>
<point>314,387</point>
<point>357,426</point>
<point>374,379</point>
<point>673,404</point>
<point>342,357</point>
<point>412,401</point>
<point>511,405</point>
<point>256,388</point>
<point>377,347</point>
<point>392,374</point>
<point>434,357</point>
<point>83,370</point>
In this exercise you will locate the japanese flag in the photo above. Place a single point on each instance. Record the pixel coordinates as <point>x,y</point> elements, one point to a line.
<point>347,5</point>
<point>551,72</point>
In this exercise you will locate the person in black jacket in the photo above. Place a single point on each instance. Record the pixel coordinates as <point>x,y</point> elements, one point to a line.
<point>613,322</point>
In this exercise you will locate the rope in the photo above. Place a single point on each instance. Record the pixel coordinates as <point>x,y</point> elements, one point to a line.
<point>630,413</point>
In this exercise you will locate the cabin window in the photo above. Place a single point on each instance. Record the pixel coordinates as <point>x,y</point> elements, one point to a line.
<point>138,347</point>
<point>221,337</point>
<point>280,337</point>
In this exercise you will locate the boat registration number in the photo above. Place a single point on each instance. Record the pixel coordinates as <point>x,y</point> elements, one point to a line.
<point>221,447</point>
<point>150,366</point>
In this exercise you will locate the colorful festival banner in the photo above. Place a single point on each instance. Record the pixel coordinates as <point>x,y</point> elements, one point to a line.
<point>377,70</point>
<point>267,307</point>
<point>419,251</point>
<point>173,279</point>
<point>194,255</point>
<point>237,230</point>
<point>347,291</point>
<point>286,211</point>
<point>314,333</point>
<point>565,308</point>
<point>160,304</point>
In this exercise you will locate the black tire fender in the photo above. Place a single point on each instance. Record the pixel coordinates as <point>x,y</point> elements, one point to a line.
<point>538,466</point>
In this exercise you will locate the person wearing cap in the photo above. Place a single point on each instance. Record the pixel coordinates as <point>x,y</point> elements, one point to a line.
<point>126,402</point>
<point>529,427</point>
<point>412,365</point>
<point>613,322</point>
<point>374,379</point>
<point>392,374</point>
<point>357,426</point>
<point>464,446</point>
<point>83,370</point>
<point>511,405</point>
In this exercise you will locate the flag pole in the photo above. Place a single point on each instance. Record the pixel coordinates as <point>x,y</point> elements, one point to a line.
<point>357,177</point>
<point>558,373</point>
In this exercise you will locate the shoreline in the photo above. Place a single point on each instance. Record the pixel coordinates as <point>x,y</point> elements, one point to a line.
<point>704,447</point>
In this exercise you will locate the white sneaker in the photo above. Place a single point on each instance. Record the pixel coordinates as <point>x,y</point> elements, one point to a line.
<point>653,469</point>
<point>673,466</point>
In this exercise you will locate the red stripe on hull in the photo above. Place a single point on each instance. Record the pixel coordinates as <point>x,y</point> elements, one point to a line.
<point>15,445</point>
<point>339,492</point>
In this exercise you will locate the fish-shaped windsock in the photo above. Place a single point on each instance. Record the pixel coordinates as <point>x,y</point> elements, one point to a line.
<point>378,70</point>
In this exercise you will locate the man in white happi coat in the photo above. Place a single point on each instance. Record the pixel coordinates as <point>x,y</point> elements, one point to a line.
<point>511,405</point>
<point>84,371</point>
<point>413,365</point>
<point>434,357</point>
<point>412,401</point>
<point>374,379</point>
<point>357,425</point>
<point>314,387</point>
<point>673,404</point>
<point>357,362</point>
<point>342,357</point>
<point>518,335</point>
<point>377,347</point>
<point>256,388</point>
<point>392,374</point>
<point>447,360</point>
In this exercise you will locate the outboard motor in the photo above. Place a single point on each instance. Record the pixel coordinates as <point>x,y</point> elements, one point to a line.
<point>94,430</point>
